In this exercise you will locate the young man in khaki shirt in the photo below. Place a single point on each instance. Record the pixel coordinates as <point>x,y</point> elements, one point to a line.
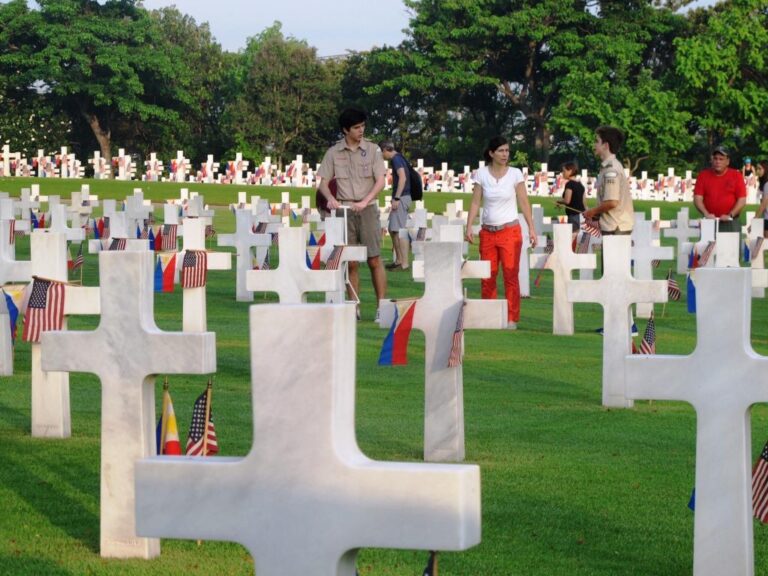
<point>615,209</point>
<point>358,166</point>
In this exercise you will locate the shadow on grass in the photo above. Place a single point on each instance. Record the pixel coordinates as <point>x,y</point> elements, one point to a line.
<point>48,487</point>
<point>25,565</point>
<point>15,419</point>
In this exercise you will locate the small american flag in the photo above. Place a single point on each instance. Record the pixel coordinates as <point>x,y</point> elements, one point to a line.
<point>655,263</point>
<point>210,231</point>
<point>45,310</point>
<point>79,260</point>
<point>421,235</point>
<point>583,246</point>
<point>591,228</point>
<point>12,231</point>
<point>144,235</point>
<point>169,237</point>
<point>648,344</point>
<point>550,247</point>
<point>285,209</point>
<point>707,254</point>
<point>194,269</point>
<point>760,486</point>
<point>673,288</point>
<point>105,225</point>
<point>458,338</point>
<point>199,425</point>
<point>118,244</point>
<point>334,260</point>
<point>260,228</point>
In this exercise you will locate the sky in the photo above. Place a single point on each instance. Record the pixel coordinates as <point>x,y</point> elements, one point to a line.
<point>333,27</point>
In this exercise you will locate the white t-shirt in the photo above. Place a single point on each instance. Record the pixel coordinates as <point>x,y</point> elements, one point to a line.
<point>499,197</point>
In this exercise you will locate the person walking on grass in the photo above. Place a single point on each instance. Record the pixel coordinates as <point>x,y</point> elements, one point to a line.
<point>502,192</point>
<point>401,202</point>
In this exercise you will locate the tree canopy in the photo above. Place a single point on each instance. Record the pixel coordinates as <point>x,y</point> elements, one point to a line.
<point>545,73</point>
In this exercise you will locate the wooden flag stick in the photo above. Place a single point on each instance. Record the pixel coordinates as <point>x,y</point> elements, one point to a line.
<point>207,417</point>
<point>163,419</point>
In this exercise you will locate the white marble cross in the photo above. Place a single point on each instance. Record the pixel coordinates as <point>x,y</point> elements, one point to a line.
<point>722,378</point>
<point>243,240</point>
<point>616,291</point>
<point>305,498</point>
<point>11,270</point>
<point>682,232</point>
<point>562,261</point>
<point>195,314</point>
<point>51,416</point>
<point>59,224</point>
<point>292,279</point>
<point>644,252</point>
<point>436,314</point>
<point>126,351</point>
<point>25,203</point>
<point>728,250</point>
<point>451,233</point>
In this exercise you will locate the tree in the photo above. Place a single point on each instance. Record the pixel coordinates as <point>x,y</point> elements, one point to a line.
<point>723,67</point>
<point>285,99</point>
<point>201,131</point>
<point>628,82</point>
<point>105,64</point>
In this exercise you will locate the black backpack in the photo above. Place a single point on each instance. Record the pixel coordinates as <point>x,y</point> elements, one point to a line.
<point>417,184</point>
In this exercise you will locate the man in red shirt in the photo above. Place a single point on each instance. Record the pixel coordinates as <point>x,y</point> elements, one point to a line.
<point>720,192</point>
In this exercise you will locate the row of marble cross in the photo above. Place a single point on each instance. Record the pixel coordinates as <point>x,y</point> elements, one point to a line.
<point>305,463</point>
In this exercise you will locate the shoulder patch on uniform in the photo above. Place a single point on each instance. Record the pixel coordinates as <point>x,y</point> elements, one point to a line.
<point>611,174</point>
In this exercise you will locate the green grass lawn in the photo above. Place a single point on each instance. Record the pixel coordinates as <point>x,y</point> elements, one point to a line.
<point>568,487</point>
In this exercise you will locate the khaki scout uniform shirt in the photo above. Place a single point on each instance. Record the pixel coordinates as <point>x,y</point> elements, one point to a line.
<point>355,170</point>
<point>612,184</point>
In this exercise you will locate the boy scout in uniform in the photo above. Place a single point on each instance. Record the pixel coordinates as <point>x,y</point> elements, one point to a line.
<point>615,209</point>
<point>358,167</point>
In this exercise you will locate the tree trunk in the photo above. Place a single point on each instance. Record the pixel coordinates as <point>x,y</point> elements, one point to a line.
<point>541,140</point>
<point>103,137</point>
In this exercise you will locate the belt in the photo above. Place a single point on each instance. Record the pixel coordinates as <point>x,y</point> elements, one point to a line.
<point>489,228</point>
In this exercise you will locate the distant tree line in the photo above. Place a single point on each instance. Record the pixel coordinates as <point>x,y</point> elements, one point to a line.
<point>98,75</point>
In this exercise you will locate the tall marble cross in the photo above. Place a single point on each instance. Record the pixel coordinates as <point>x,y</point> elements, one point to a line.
<point>305,498</point>
<point>682,232</point>
<point>616,291</point>
<point>436,314</point>
<point>51,417</point>
<point>722,378</point>
<point>11,270</point>
<point>126,351</point>
<point>292,279</point>
<point>562,261</point>
<point>195,317</point>
<point>243,240</point>
<point>728,250</point>
<point>59,224</point>
<point>644,252</point>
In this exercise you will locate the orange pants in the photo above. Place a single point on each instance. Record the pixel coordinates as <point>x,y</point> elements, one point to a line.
<point>503,246</point>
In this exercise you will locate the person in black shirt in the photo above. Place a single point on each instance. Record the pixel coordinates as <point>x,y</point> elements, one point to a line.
<point>573,195</point>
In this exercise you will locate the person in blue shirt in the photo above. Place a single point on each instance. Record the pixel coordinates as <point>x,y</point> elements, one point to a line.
<point>401,202</point>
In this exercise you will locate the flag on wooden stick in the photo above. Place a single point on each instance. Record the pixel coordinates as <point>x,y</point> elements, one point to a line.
<point>202,439</point>
<point>45,310</point>
<point>457,343</point>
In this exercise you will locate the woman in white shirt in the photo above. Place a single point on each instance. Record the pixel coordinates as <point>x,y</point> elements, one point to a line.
<point>501,189</point>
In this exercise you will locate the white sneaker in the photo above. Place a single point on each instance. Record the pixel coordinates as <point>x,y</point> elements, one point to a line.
<point>511,325</point>
<point>376,319</point>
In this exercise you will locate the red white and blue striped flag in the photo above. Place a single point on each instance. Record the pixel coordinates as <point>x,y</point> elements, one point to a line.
<point>334,259</point>
<point>169,237</point>
<point>760,486</point>
<point>202,440</point>
<point>457,343</point>
<point>648,344</point>
<point>394,351</point>
<point>45,310</point>
<point>194,269</point>
<point>118,244</point>
<point>673,288</point>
